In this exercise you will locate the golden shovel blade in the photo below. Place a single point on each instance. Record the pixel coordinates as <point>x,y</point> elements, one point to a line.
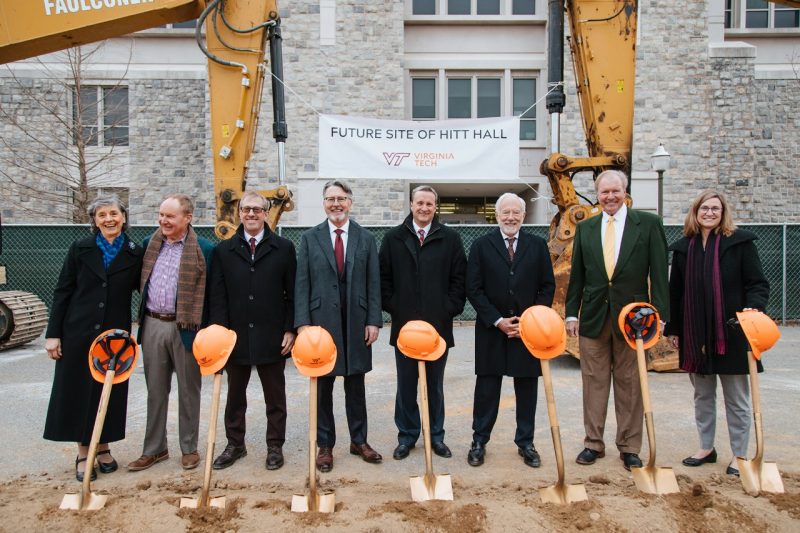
<point>92,502</point>
<point>192,503</point>
<point>563,494</point>
<point>655,479</point>
<point>314,502</point>
<point>433,487</point>
<point>759,476</point>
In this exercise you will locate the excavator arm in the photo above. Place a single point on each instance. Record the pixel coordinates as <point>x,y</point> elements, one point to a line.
<point>235,42</point>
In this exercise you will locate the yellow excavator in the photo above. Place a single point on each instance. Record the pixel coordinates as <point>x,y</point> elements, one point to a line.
<point>237,35</point>
<point>603,49</point>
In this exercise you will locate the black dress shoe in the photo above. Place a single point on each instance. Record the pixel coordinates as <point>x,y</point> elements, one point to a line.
<point>530,455</point>
<point>274,457</point>
<point>630,460</point>
<point>477,451</point>
<point>694,461</point>
<point>230,455</point>
<point>731,471</point>
<point>107,468</point>
<point>402,451</point>
<point>441,449</point>
<point>79,475</point>
<point>589,456</point>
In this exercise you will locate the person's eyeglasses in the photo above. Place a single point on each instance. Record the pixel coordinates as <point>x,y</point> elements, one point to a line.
<point>255,210</point>
<point>707,209</point>
<point>335,199</point>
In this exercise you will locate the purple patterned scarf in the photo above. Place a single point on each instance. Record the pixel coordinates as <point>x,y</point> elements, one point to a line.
<point>704,312</point>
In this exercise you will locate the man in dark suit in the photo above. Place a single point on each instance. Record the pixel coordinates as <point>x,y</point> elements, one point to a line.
<point>618,258</point>
<point>423,267</point>
<point>252,293</point>
<point>508,271</point>
<point>338,287</point>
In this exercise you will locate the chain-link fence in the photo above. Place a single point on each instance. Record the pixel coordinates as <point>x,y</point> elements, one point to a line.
<point>33,256</point>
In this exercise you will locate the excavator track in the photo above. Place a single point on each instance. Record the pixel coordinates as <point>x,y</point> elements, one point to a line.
<point>23,317</point>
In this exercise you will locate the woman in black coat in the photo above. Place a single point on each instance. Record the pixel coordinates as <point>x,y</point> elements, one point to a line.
<point>715,273</point>
<point>93,295</point>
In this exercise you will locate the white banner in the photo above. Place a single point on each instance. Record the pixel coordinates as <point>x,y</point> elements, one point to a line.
<point>357,147</point>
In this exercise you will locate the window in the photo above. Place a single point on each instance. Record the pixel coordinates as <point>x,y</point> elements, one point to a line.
<point>523,7</point>
<point>524,95</point>
<point>423,99</point>
<point>459,98</point>
<point>760,14</point>
<point>472,7</point>
<point>424,7</point>
<point>100,115</point>
<point>476,95</point>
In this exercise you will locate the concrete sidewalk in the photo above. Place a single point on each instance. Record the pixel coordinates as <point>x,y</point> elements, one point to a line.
<point>26,375</point>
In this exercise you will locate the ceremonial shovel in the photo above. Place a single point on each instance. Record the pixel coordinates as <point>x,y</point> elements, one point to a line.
<point>313,501</point>
<point>560,492</point>
<point>111,351</point>
<point>756,475</point>
<point>650,478</point>
<point>429,486</point>
<point>205,500</point>
<point>212,347</point>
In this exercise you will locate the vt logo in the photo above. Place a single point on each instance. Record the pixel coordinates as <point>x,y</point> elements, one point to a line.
<point>395,158</point>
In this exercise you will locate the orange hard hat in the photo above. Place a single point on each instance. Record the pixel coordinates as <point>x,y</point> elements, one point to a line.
<point>760,330</point>
<point>314,352</point>
<point>640,318</point>
<point>212,346</point>
<point>542,331</point>
<point>420,340</point>
<point>114,349</point>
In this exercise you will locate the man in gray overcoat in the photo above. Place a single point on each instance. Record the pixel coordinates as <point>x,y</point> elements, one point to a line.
<point>338,287</point>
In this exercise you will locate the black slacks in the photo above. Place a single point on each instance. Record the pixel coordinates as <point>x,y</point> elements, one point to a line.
<point>487,404</point>
<point>355,403</point>
<point>406,410</point>
<point>273,383</point>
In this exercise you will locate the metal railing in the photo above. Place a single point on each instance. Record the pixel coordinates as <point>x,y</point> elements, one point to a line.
<point>33,255</point>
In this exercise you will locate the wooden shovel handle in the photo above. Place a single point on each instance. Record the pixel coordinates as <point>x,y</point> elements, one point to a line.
<point>755,395</point>
<point>553,416</point>
<point>426,421</point>
<point>648,409</point>
<point>211,440</point>
<point>96,431</point>
<point>312,436</point>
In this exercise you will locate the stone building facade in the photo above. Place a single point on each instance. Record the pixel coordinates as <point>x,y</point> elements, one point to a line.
<point>723,101</point>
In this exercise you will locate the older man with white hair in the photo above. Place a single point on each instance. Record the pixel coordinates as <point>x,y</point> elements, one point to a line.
<point>508,271</point>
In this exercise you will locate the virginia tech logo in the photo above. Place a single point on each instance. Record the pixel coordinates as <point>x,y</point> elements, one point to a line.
<point>394,159</point>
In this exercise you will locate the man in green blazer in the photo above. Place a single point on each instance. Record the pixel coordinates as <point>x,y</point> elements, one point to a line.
<point>618,258</point>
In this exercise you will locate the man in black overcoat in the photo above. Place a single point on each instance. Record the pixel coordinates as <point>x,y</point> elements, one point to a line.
<point>252,293</point>
<point>508,271</point>
<point>423,267</point>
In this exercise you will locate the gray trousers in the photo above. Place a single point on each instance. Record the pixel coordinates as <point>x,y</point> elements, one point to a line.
<point>163,352</point>
<point>736,392</point>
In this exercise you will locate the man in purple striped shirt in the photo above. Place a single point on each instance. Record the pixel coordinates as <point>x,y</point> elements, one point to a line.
<point>173,287</point>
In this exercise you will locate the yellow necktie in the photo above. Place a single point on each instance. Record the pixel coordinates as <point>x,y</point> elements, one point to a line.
<point>609,244</point>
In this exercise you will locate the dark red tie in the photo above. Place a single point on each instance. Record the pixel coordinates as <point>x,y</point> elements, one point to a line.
<point>252,246</point>
<point>511,248</point>
<point>421,235</point>
<point>338,251</point>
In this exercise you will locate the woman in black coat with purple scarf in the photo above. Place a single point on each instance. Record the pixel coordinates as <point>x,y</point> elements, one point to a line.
<point>715,273</point>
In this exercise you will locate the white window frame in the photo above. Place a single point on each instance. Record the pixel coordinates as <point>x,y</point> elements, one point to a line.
<point>739,18</point>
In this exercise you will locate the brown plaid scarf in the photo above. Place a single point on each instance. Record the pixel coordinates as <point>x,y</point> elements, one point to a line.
<point>191,278</point>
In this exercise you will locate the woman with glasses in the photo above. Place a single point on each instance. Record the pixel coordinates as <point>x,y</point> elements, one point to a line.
<point>93,294</point>
<point>715,273</point>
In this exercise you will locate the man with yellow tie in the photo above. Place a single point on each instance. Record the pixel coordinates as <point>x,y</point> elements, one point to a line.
<point>617,258</point>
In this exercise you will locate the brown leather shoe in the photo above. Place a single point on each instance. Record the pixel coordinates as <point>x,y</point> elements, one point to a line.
<point>146,461</point>
<point>190,460</point>
<point>366,452</point>
<point>325,459</point>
